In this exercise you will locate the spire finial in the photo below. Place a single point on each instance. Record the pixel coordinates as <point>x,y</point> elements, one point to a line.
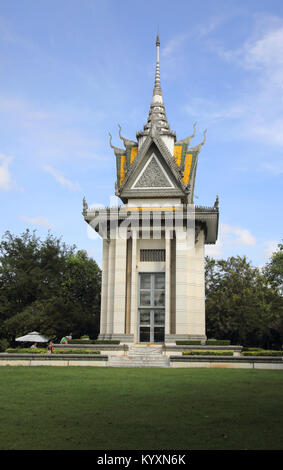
<point>157,87</point>
<point>157,119</point>
<point>157,40</point>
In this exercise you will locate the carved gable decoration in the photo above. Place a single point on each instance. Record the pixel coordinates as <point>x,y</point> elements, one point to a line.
<point>153,176</point>
<point>153,173</point>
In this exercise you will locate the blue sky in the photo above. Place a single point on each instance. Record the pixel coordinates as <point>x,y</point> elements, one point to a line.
<point>70,70</point>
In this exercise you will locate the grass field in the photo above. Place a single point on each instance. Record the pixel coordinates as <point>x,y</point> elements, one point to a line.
<point>84,408</point>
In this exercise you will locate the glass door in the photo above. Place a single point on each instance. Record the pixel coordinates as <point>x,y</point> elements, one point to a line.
<point>151,323</point>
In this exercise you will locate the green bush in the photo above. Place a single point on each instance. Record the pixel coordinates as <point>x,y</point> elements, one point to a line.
<point>218,342</point>
<point>75,351</point>
<point>261,352</point>
<point>202,352</point>
<point>245,348</point>
<point>181,343</point>
<point>56,351</point>
<point>3,344</point>
<point>93,341</point>
<point>26,350</point>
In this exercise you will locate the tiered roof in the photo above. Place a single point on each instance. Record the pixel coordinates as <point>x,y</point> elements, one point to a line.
<point>180,162</point>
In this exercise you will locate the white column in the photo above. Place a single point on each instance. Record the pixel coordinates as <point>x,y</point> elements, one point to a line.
<point>110,291</point>
<point>197,290</point>
<point>134,287</point>
<point>191,286</point>
<point>120,283</point>
<point>104,290</point>
<point>167,281</point>
<point>181,282</point>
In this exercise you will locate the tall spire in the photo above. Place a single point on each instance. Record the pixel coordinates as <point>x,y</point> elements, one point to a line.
<point>157,87</point>
<point>157,119</point>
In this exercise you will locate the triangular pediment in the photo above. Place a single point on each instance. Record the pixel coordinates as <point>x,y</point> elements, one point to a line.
<point>154,173</point>
<point>152,176</point>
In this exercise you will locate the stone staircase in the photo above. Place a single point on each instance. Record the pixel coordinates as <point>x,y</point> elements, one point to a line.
<point>141,356</point>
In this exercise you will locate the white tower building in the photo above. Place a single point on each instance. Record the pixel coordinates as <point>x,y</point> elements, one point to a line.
<point>153,286</point>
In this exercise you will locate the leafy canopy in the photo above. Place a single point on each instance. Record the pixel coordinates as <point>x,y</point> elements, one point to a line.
<point>48,286</point>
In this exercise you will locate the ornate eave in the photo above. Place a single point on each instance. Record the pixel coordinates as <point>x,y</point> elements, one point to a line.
<point>205,218</point>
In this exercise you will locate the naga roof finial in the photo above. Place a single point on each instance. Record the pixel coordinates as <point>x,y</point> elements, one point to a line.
<point>127,142</point>
<point>116,149</point>
<point>188,139</point>
<point>198,147</point>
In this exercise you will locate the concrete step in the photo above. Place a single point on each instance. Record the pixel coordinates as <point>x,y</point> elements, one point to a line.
<point>145,351</point>
<point>141,361</point>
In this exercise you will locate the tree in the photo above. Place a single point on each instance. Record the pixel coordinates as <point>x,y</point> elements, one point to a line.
<point>239,303</point>
<point>47,286</point>
<point>273,272</point>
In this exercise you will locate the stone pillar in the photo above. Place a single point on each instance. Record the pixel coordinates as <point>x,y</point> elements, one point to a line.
<point>128,287</point>
<point>104,289</point>
<point>110,291</point>
<point>167,282</point>
<point>192,291</point>
<point>120,284</point>
<point>173,286</point>
<point>181,282</point>
<point>134,287</point>
<point>197,317</point>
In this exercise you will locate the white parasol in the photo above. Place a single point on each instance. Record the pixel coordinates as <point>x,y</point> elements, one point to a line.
<point>33,337</point>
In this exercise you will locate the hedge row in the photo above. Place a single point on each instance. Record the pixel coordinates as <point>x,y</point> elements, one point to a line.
<point>209,342</point>
<point>218,342</point>
<point>262,352</point>
<point>55,351</point>
<point>93,341</point>
<point>181,343</point>
<point>201,352</point>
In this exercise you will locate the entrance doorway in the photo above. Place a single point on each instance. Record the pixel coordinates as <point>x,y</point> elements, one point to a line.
<point>151,314</point>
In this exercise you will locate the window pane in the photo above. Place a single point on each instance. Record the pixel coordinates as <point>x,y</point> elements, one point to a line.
<point>145,298</point>
<point>159,281</point>
<point>159,317</point>
<point>144,334</point>
<point>159,334</point>
<point>145,281</point>
<point>159,298</point>
<point>144,317</point>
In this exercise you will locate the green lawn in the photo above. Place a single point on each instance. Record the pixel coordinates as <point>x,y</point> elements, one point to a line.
<point>104,408</point>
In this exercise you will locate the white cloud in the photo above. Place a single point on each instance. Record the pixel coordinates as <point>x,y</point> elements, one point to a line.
<point>270,246</point>
<point>61,179</point>
<point>276,168</point>
<point>40,221</point>
<point>214,251</point>
<point>232,235</point>
<point>210,111</point>
<point>51,134</point>
<point>265,54</point>
<point>256,108</point>
<point>9,35</point>
<point>230,238</point>
<point>6,181</point>
<point>172,46</point>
